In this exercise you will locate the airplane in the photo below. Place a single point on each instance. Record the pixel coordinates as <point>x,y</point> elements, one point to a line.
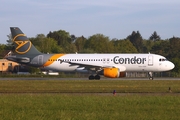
<point>109,65</point>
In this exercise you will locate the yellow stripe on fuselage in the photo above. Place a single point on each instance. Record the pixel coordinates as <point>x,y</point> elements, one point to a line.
<point>52,59</point>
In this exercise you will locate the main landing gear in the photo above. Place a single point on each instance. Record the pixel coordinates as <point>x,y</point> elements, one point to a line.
<point>96,77</point>
<point>150,74</point>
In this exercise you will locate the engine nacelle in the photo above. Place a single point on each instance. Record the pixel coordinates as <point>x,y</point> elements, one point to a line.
<point>112,73</point>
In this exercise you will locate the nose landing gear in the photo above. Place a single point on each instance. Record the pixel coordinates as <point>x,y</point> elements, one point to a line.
<point>150,74</point>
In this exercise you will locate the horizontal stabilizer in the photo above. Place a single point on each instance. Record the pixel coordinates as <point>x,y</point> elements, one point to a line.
<point>18,59</point>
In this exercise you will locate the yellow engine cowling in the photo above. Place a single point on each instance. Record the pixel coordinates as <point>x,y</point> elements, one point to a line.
<point>112,73</point>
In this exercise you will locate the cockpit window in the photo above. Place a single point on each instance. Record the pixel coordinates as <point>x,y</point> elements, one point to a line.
<point>162,59</point>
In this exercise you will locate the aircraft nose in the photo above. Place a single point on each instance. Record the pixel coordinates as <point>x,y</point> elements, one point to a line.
<point>171,65</point>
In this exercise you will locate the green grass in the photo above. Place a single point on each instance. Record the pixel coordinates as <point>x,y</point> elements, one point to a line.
<point>86,86</point>
<point>89,100</point>
<point>88,107</point>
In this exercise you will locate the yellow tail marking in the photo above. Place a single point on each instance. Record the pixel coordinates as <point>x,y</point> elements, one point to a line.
<point>21,43</point>
<point>18,36</point>
<point>52,59</point>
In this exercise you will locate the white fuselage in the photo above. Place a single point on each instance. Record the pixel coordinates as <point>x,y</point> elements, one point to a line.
<point>125,62</point>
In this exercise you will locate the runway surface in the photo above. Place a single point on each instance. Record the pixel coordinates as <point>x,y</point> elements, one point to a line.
<point>53,78</point>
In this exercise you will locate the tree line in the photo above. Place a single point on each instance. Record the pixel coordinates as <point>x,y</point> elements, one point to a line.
<point>62,41</point>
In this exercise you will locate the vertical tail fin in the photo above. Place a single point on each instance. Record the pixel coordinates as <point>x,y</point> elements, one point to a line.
<point>23,45</point>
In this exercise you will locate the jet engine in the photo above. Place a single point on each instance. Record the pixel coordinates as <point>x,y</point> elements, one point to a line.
<point>112,73</point>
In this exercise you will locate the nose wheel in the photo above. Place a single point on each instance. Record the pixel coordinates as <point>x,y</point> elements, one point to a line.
<point>150,74</point>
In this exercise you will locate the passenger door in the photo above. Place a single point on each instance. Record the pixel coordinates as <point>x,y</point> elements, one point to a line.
<point>150,60</point>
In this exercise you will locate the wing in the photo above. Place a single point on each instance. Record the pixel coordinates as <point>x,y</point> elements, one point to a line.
<point>85,66</point>
<point>94,67</point>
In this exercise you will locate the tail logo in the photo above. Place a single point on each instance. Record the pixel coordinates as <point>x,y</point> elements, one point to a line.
<point>22,46</point>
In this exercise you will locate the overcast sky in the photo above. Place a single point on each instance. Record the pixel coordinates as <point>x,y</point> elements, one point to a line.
<point>113,18</point>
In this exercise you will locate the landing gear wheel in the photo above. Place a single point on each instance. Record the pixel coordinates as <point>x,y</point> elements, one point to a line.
<point>91,77</point>
<point>150,74</point>
<point>97,77</point>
